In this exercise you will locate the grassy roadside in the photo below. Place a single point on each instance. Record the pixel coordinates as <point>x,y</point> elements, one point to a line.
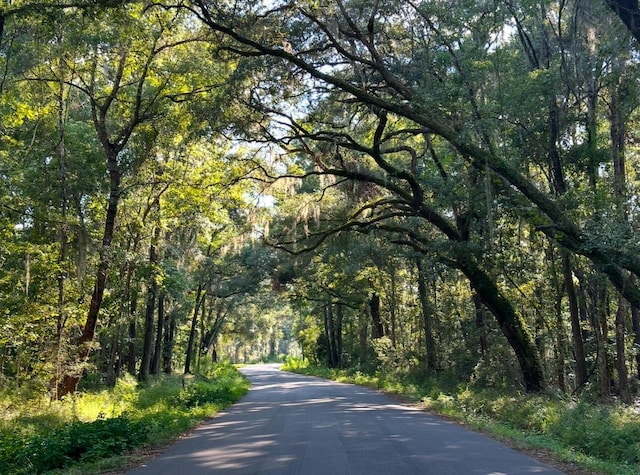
<point>97,432</point>
<point>580,436</point>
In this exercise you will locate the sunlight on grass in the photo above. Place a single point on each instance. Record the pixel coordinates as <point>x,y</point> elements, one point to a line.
<point>83,433</point>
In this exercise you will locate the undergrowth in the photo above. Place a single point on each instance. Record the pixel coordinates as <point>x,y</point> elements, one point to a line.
<point>599,437</point>
<point>92,426</point>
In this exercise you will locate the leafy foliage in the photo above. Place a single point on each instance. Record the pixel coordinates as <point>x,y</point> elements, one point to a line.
<point>80,441</point>
<point>444,188</point>
<point>152,414</point>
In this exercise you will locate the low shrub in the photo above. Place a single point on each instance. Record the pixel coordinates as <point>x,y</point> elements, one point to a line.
<point>293,363</point>
<point>79,441</point>
<point>608,433</point>
<point>198,393</point>
<point>155,413</point>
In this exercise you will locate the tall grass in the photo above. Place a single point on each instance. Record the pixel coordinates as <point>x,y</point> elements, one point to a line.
<point>37,436</point>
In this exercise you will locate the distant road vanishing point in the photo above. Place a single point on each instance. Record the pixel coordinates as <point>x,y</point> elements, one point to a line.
<point>299,425</point>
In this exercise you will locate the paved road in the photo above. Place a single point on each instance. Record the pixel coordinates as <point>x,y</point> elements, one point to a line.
<point>291,424</point>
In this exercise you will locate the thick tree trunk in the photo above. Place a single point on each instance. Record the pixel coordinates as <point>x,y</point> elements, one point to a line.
<point>427,318</point>
<point>330,336</point>
<point>621,367</point>
<point>376,319</point>
<point>149,315</point>
<point>147,344</point>
<point>629,13</point>
<point>557,173</point>
<point>511,324</point>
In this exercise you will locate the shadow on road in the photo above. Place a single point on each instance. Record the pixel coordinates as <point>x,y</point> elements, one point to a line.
<point>292,424</point>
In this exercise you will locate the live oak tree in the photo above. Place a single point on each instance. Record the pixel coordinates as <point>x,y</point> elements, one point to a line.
<point>443,75</point>
<point>427,164</point>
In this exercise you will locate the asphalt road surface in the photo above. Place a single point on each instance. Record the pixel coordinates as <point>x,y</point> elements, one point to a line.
<point>292,424</point>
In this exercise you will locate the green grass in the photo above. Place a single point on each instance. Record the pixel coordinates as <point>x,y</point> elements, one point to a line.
<point>91,432</point>
<point>598,438</point>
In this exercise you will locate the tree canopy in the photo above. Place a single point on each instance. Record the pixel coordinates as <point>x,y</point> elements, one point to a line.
<point>413,185</point>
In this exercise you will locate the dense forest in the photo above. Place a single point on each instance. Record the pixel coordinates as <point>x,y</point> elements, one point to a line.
<point>424,186</point>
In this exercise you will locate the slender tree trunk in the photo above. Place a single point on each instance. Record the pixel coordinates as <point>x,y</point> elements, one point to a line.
<point>202,333</point>
<point>147,344</point>
<point>592,118</point>
<point>169,341</point>
<point>363,335</point>
<point>635,321</point>
<point>327,336</point>
<point>574,314</point>
<point>560,188</point>
<point>601,331</point>
<point>157,352</point>
<point>618,134</point>
<point>560,348</point>
<point>27,274</point>
<point>338,328</point>
<point>557,173</point>
<point>62,233</point>
<point>69,382</point>
<point>480,323</point>
<point>192,332</point>
<point>2,19</point>
<point>129,308</point>
<point>621,366</point>
<point>131,348</point>
<point>604,378</point>
<point>112,370</point>
<point>427,318</point>
<point>214,352</point>
<point>332,335</point>
<point>393,304</point>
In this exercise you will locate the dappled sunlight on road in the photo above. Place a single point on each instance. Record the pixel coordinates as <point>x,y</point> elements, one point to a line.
<point>298,425</point>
